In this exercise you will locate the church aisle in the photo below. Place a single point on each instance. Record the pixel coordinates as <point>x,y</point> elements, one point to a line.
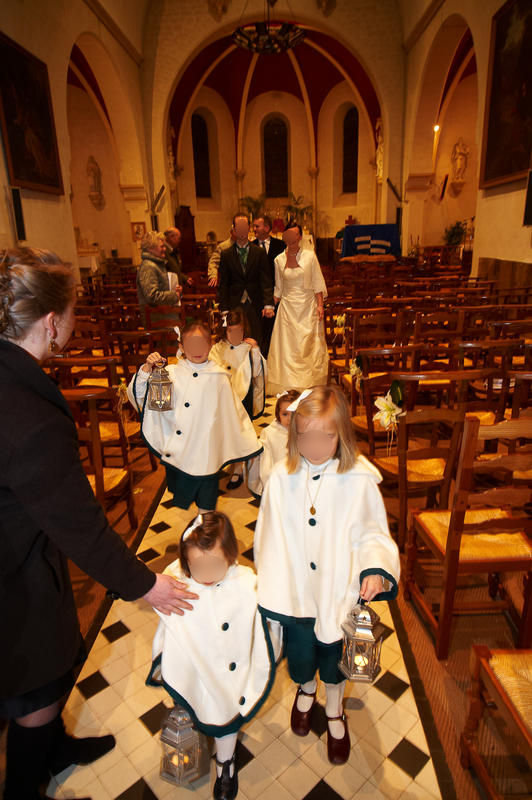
<point>389,758</point>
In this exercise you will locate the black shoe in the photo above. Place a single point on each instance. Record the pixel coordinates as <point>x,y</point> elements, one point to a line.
<point>67,750</point>
<point>27,755</point>
<point>234,484</point>
<point>226,787</point>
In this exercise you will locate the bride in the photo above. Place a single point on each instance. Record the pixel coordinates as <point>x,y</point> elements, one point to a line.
<point>298,352</point>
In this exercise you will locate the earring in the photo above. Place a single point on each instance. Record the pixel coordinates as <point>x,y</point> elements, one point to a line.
<point>52,346</point>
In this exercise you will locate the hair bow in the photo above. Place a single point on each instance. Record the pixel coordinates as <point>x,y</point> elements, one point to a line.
<point>281,394</point>
<point>304,394</point>
<point>177,332</point>
<point>195,524</point>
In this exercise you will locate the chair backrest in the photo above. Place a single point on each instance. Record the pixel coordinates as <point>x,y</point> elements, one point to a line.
<point>69,371</point>
<point>511,496</point>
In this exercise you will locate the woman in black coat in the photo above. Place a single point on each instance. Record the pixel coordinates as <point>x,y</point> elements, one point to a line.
<point>48,513</point>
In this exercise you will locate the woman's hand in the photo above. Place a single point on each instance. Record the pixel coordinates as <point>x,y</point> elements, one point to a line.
<point>320,312</point>
<point>371,586</point>
<point>213,281</point>
<point>251,342</point>
<point>169,596</point>
<point>276,300</point>
<point>152,361</point>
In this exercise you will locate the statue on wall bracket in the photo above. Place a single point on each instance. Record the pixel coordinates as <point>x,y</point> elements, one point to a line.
<point>94,175</point>
<point>217,8</point>
<point>326,6</point>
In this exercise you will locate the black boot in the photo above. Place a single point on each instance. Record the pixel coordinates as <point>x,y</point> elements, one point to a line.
<point>67,750</point>
<point>226,787</point>
<point>27,754</point>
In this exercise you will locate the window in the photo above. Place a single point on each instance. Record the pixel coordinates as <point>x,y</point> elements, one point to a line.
<point>200,146</point>
<point>350,152</point>
<point>275,158</point>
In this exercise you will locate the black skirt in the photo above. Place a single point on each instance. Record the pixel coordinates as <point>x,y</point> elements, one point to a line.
<point>43,696</point>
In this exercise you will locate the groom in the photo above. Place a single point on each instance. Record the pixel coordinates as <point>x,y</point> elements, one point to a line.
<point>245,279</point>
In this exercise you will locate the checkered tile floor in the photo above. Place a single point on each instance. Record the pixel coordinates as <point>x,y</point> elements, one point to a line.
<point>390,757</point>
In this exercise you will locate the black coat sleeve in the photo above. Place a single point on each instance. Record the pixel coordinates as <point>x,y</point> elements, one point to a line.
<point>223,281</point>
<point>45,475</point>
<point>265,279</point>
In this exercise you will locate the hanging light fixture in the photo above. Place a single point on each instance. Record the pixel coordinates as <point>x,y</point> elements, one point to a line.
<point>268,38</point>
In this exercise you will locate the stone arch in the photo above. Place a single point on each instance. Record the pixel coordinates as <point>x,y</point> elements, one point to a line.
<point>427,107</point>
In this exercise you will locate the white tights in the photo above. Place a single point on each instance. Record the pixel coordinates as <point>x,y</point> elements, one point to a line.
<point>225,747</point>
<point>333,706</point>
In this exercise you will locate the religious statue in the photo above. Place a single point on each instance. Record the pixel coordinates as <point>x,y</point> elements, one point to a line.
<point>379,151</point>
<point>217,8</point>
<point>459,158</point>
<point>326,6</point>
<point>94,175</point>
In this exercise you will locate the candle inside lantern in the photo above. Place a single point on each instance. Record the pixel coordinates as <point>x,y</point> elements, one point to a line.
<point>361,661</point>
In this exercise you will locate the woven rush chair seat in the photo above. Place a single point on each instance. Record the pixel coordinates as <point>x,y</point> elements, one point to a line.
<point>347,379</point>
<point>426,469</point>
<point>514,673</point>
<point>110,430</point>
<point>112,478</point>
<point>486,546</point>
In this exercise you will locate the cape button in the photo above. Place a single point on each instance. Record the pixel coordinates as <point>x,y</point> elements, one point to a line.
<point>242,700</point>
<point>316,478</point>
<point>232,347</point>
<point>168,455</point>
<point>194,374</point>
<point>178,433</point>
<point>312,521</point>
<point>313,565</point>
<point>187,405</point>
<point>232,666</point>
<point>228,366</point>
<point>225,626</point>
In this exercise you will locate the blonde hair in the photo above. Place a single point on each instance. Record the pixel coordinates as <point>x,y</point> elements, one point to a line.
<point>150,239</point>
<point>32,283</point>
<point>325,400</point>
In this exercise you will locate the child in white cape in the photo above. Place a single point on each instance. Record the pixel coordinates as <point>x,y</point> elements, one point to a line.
<point>274,440</point>
<point>207,427</point>
<point>218,660</point>
<point>240,356</point>
<point>321,541</point>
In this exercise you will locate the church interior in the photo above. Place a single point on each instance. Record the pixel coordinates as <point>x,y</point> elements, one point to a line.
<point>397,134</point>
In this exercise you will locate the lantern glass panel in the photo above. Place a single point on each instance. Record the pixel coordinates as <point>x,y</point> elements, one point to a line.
<point>161,390</point>
<point>362,645</point>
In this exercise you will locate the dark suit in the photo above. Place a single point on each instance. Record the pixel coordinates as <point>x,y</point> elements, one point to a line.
<point>48,513</point>
<point>276,247</point>
<point>254,278</point>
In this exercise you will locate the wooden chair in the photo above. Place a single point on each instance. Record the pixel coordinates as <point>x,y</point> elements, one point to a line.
<point>162,317</point>
<point>378,361</point>
<point>422,470</point>
<point>483,532</point>
<point>109,484</point>
<point>500,686</point>
<point>83,371</point>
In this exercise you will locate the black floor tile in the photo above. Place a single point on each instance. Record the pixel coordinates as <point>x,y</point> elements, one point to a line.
<point>318,720</point>
<point>249,554</point>
<point>243,756</point>
<point>322,791</point>
<point>115,631</point>
<point>153,719</point>
<point>255,502</point>
<point>168,504</point>
<point>264,425</point>
<point>92,685</point>
<point>160,527</point>
<point>392,686</point>
<point>408,757</point>
<point>251,525</point>
<point>148,555</point>
<point>387,632</point>
<point>139,791</point>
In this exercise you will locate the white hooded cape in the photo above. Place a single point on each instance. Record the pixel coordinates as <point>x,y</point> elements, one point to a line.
<point>245,366</point>
<point>217,660</point>
<point>208,426</point>
<point>314,572</point>
<point>273,439</point>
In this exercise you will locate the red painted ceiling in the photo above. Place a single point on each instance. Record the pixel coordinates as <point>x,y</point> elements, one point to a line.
<point>273,73</point>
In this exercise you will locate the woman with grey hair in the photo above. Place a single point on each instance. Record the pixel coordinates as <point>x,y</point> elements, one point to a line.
<point>153,282</point>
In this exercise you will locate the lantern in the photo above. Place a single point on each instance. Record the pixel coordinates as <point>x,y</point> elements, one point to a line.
<point>185,751</point>
<point>161,390</point>
<point>363,635</point>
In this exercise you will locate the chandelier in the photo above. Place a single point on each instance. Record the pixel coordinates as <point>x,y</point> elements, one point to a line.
<point>267,37</point>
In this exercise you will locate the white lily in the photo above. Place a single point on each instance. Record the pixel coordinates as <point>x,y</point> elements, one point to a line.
<point>388,412</point>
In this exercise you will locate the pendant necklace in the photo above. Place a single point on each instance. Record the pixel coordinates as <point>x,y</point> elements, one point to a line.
<point>313,500</point>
